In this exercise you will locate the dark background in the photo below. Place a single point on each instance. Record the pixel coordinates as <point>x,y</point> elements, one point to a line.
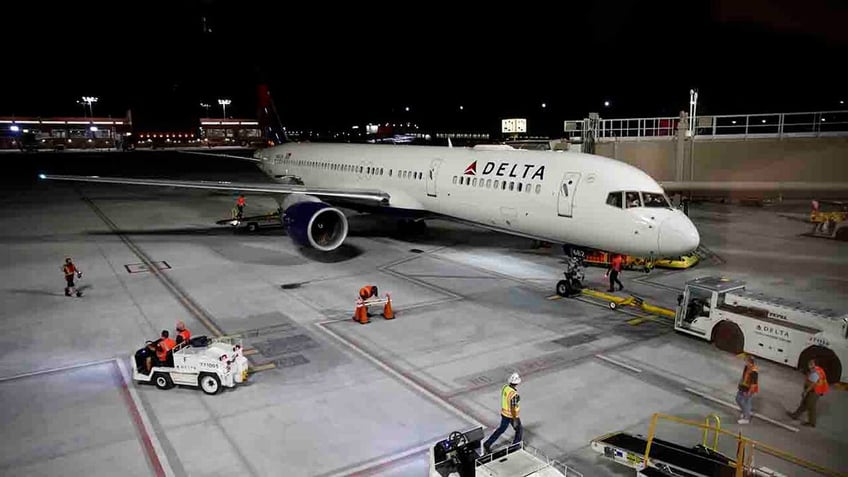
<point>331,66</point>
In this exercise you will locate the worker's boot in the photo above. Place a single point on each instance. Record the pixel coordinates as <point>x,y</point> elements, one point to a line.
<point>67,291</point>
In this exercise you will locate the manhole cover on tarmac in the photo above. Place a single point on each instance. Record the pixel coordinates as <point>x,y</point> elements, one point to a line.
<point>575,340</point>
<point>289,344</point>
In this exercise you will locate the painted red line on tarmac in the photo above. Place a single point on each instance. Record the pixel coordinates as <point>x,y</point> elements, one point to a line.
<point>144,437</point>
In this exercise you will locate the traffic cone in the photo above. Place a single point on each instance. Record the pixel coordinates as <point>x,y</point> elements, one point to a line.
<point>360,314</point>
<point>387,310</point>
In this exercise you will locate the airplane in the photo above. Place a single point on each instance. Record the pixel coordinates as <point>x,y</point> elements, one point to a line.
<point>579,200</point>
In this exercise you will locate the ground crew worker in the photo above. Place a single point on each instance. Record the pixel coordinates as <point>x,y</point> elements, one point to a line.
<point>615,266</point>
<point>748,386</point>
<point>183,334</point>
<point>509,413</point>
<point>69,269</point>
<point>240,203</point>
<point>165,344</point>
<point>815,387</point>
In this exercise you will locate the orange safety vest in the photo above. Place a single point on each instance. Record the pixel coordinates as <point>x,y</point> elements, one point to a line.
<point>617,263</point>
<point>821,385</point>
<point>69,269</point>
<point>165,345</point>
<point>507,393</point>
<point>240,201</point>
<point>365,292</point>
<point>186,334</point>
<point>746,379</point>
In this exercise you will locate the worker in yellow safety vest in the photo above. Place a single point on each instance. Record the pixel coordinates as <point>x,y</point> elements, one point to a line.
<point>748,386</point>
<point>509,413</point>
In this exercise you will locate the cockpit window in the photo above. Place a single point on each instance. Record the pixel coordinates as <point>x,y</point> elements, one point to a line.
<point>614,199</point>
<point>632,200</point>
<point>655,200</point>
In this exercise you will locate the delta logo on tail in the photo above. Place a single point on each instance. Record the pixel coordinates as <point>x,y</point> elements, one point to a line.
<point>471,170</point>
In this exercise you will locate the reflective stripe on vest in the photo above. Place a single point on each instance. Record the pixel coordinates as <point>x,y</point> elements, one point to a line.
<point>507,393</point>
<point>821,385</point>
<point>746,378</point>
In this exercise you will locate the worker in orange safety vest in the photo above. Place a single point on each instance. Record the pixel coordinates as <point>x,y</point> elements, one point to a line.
<point>814,387</point>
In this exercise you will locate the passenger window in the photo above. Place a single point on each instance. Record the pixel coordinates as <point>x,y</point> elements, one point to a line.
<point>497,183</point>
<point>538,188</point>
<point>390,175</point>
<point>632,200</point>
<point>489,183</point>
<point>474,182</point>
<point>614,199</point>
<point>519,187</point>
<point>512,185</point>
<point>454,179</point>
<point>528,188</point>
<point>565,190</point>
<point>381,171</point>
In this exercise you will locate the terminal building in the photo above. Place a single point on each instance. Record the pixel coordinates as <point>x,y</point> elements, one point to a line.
<point>58,133</point>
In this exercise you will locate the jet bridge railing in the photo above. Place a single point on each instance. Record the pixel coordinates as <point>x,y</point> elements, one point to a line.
<point>799,124</point>
<point>746,451</point>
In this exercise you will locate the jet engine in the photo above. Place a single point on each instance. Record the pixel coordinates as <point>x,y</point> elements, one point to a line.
<point>315,224</point>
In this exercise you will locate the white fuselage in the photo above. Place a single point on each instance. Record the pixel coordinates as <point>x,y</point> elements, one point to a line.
<point>560,197</point>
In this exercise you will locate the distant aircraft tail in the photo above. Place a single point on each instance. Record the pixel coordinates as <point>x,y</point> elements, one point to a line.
<point>269,118</point>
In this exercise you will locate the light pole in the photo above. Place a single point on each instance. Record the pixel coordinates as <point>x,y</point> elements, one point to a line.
<point>207,106</point>
<point>90,100</point>
<point>224,103</point>
<point>693,128</point>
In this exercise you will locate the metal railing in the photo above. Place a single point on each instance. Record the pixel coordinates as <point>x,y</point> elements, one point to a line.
<point>544,461</point>
<point>805,124</point>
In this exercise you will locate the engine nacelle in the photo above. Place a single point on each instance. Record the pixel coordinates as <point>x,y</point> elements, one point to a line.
<point>315,224</point>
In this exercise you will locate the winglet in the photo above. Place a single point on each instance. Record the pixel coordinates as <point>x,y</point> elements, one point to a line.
<point>450,144</point>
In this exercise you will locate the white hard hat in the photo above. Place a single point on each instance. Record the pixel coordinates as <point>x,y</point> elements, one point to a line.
<point>515,379</point>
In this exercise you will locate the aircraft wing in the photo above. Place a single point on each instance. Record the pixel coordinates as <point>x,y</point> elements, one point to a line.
<point>374,197</point>
<point>731,187</point>
<point>228,156</point>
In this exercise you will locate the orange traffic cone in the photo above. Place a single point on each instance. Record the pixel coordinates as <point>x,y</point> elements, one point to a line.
<point>387,310</point>
<point>360,314</point>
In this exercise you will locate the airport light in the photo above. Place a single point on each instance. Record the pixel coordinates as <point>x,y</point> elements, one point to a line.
<point>14,128</point>
<point>207,106</point>
<point>461,108</point>
<point>93,129</point>
<point>407,109</point>
<point>90,100</point>
<point>224,103</point>
<point>606,104</point>
<point>544,105</point>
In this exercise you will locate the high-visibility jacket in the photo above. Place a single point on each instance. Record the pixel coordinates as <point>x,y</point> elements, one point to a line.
<point>616,263</point>
<point>749,382</point>
<point>821,388</point>
<point>165,345</point>
<point>240,201</point>
<point>69,269</point>
<point>365,292</point>
<point>185,334</point>
<point>509,400</point>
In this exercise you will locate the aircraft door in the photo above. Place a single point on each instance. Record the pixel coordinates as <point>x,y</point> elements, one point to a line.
<point>566,193</point>
<point>432,175</point>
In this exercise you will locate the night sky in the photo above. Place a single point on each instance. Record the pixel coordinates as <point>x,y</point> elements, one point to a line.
<point>333,66</point>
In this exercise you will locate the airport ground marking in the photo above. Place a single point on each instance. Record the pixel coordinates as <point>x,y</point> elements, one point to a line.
<point>149,442</point>
<point>618,363</point>
<point>736,408</point>
<point>69,367</point>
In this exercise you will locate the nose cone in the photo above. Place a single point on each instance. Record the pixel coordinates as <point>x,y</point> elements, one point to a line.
<point>678,236</point>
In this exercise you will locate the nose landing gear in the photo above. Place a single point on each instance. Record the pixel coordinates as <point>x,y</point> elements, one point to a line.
<point>573,283</point>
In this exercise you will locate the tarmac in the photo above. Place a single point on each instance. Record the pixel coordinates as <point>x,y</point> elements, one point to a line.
<point>333,397</point>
